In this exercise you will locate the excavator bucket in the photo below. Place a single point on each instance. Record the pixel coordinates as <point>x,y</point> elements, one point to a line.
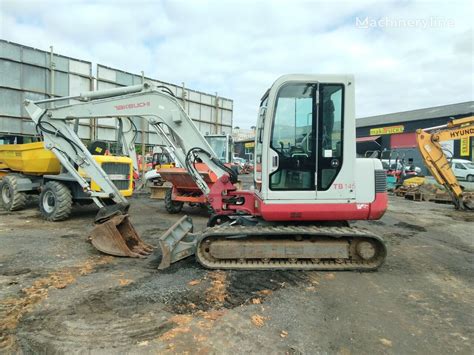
<point>117,236</point>
<point>468,201</point>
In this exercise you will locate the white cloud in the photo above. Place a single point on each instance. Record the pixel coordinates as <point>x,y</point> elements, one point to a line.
<point>237,48</point>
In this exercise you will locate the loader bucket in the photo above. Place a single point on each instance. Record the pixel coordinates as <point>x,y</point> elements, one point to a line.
<point>177,243</point>
<point>116,236</point>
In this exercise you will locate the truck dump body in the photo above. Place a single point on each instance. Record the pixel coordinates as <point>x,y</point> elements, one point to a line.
<point>182,180</point>
<point>29,158</point>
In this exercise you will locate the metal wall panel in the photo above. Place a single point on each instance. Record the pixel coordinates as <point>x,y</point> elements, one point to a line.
<point>61,84</point>
<point>34,78</point>
<point>28,127</point>
<point>78,84</point>
<point>106,74</point>
<point>10,125</point>
<point>26,73</point>
<point>33,56</point>
<point>194,96</point>
<point>84,132</point>
<point>10,74</point>
<point>79,67</point>
<point>208,100</point>
<point>10,51</point>
<point>10,103</point>
<point>60,63</point>
<point>227,117</point>
<point>106,134</point>
<point>201,107</point>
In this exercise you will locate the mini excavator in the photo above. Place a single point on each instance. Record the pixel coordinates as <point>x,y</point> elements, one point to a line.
<point>308,182</point>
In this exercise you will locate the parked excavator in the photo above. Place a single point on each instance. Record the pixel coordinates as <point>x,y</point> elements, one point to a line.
<point>429,144</point>
<point>309,183</point>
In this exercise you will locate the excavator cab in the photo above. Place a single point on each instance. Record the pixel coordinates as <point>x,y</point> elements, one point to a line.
<point>300,135</point>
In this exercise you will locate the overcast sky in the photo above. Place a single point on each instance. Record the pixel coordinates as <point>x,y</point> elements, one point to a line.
<point>405,54</point>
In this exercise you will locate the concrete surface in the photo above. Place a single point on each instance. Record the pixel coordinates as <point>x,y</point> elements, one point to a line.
<point>58,294</point>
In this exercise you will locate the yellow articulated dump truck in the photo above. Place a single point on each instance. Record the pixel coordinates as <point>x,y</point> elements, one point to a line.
<point>30,169</point>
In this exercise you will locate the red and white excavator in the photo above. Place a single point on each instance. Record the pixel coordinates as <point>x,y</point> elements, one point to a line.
<point>308,181</point>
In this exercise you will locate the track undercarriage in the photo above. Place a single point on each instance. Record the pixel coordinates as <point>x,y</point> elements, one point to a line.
<point>274,246</point>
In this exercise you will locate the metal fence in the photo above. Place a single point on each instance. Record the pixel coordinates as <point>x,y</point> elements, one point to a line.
<point>29,73</point>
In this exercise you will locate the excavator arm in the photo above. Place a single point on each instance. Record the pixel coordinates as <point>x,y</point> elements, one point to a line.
<point>429,143</point>
<point>163,112</point>
<point>157,106</point>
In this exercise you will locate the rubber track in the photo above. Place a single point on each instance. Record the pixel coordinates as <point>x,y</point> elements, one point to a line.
<point>63,200</point>
<point>347,233</point>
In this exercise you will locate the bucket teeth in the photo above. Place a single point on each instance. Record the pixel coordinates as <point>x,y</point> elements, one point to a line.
<point>117,236</point>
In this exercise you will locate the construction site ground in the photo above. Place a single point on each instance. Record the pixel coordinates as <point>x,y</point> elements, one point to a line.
<point>58,294</point>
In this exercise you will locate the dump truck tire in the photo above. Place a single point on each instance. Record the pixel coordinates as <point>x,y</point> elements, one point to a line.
<point>12,199</point>
<point>170,205</point>
<point>55,201</point>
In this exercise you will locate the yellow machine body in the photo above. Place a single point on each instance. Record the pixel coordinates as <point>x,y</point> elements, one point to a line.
<point>123,171</point>
<point>29,158</point>
<point>34,159</point>
<point>417,180</point>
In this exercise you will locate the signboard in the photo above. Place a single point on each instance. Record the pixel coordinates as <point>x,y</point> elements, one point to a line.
<point>465,147</point>
<point>387,130</point>
<point>249,144</point>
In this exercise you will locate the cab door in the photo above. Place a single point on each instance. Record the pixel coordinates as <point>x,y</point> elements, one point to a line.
<point>305,147</point>
<point>291,156</point>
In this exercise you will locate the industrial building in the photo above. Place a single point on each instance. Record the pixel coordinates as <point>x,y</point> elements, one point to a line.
<point>30,73</point>
<point>395,132</point>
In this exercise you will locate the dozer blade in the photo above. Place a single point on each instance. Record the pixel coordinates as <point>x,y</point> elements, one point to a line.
<point>177,243</point>
<point>116,236</point>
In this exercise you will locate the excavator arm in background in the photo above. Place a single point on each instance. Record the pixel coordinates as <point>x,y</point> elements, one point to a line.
<point>429,143</point>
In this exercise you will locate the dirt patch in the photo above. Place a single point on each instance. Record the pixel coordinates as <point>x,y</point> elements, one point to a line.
<point>15,272</point>
<point>13,309</point>
<point>217,293</point>
<point>377,223</point>
<point>410,226</point>
<point>462,216</point>
<point>395,238</point>
<point>218,289</point>
<point>72,235</point>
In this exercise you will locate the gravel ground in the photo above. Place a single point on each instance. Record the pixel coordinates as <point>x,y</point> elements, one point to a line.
<point>58,294</point>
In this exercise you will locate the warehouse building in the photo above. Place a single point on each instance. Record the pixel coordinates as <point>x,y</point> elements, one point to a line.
<point>395,132</point>
<point>30,73</point>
